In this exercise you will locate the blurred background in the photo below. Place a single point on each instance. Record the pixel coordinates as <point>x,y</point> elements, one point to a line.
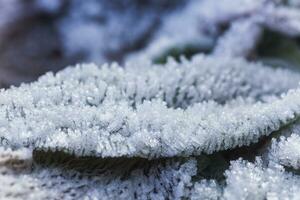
<point>37,36</point>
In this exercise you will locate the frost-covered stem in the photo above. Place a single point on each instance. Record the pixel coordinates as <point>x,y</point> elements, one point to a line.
<point>240,40</point>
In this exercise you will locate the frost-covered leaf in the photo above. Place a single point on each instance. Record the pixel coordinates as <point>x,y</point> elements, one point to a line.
<point>287,151</point>
<point>152,180</point>
<point>106,111</point>
<point>247,180</point>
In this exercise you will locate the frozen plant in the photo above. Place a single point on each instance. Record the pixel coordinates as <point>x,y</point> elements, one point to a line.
<point>207,127</point>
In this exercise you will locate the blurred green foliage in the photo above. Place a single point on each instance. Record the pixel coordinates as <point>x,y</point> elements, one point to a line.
<point>278,50</point>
